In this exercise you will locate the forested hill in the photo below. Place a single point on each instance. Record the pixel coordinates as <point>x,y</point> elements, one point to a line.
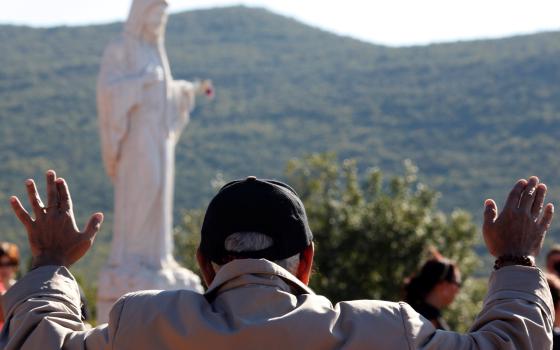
<point>474,116</point>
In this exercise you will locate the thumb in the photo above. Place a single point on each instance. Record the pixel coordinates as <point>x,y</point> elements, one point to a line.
<point>490,213</point>
<point>93,225</point>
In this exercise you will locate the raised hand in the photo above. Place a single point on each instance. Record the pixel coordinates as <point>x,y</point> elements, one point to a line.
<point>520,228</point>
<point>53,235</point>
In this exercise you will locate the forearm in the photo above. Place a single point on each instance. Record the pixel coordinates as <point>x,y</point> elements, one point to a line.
<point>43,312</point>
<point>184,93</point>
<point>518,309</point>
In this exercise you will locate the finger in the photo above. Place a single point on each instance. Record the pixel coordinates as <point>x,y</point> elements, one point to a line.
<point>546,219</point>
<point>52,193</point>
<point>528,196</point>
<point>20,212</point>
<point>540,193</point>
<point>512,201</point>
<point>34,199</point>
<point>63,194</point>
<point>490,213</point>
<point>93,226</point>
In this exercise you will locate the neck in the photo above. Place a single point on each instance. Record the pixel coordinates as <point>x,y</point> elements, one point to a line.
<point>434,300</point>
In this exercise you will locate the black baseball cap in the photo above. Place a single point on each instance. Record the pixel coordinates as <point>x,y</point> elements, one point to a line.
<point>268,207</point>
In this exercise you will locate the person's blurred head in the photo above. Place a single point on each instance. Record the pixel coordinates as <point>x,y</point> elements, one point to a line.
<point>9,261</point>
<point>147,20</point>
<point>154,22</point>
<point>437,283</point>
<point>553,260</point>
<point>256,219</point>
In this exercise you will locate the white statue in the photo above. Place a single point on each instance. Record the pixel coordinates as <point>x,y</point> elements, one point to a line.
<point>142,112</point>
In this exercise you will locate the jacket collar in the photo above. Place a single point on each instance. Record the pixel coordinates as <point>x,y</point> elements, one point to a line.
<point>245,271</point>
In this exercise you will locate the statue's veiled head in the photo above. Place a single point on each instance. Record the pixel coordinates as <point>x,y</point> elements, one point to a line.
<point>147,18</point>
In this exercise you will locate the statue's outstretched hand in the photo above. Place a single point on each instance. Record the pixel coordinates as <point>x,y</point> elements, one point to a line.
<point>207,88</point>
<point>204,87</point>
<point>520,228</point>
<point>53,235</point>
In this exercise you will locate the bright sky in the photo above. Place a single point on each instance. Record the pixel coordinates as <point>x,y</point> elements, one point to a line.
<point>390,22</point>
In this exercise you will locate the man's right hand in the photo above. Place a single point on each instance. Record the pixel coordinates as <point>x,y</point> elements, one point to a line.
<point>53,236</point>
<point>520,228</point>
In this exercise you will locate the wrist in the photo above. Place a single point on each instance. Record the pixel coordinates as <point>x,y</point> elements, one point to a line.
<point>46,260</point>
<point>511,259</point>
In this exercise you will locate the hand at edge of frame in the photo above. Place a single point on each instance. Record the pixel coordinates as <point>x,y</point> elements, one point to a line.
<point>520,228</point>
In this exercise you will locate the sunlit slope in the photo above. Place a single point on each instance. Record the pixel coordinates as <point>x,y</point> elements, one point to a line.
<point>474,116</point>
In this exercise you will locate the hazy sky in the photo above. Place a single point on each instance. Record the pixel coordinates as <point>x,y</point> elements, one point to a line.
<point>391,22</point>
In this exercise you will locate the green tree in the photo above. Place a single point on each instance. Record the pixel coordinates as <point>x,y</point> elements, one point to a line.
<point>371,234</point>
<point>187,238</point>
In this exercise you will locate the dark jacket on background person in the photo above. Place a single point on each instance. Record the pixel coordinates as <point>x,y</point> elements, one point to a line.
<point>433,314</point>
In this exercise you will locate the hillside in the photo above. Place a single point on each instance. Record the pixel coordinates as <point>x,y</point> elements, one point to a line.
<point>474,116</point>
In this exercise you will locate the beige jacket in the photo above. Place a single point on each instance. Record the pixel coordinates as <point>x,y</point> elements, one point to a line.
<point>255,304</point>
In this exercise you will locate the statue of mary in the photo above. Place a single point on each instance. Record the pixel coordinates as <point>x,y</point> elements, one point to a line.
<point>142,112</point>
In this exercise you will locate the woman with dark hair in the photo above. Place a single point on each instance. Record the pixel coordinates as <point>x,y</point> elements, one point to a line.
<point>433,288</point>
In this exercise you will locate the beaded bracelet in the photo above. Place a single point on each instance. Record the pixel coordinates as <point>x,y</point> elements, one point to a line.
<point>505,260</point>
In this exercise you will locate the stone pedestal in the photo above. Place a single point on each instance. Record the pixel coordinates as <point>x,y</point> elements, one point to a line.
<point>114,282</point>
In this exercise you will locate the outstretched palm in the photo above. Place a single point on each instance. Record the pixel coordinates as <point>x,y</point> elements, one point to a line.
<point>53,235</point>
<point>520,228</point>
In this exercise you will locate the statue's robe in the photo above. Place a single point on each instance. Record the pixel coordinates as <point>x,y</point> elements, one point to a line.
<point>141,120</point>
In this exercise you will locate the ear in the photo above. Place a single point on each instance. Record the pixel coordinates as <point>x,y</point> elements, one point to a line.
<point>206,267</point>
<point>305,264</point>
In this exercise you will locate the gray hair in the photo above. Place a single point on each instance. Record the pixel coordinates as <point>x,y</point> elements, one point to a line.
<point>252,241</point>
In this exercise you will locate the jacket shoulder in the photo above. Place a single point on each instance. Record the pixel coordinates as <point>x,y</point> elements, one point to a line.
<point>373,307</point>
<point>392,325</point>
<point>161,296</point>
<point>136,310</point>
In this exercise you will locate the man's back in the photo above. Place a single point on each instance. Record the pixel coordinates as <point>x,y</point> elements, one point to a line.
<point>255,304</point>
<point>256,311</point>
